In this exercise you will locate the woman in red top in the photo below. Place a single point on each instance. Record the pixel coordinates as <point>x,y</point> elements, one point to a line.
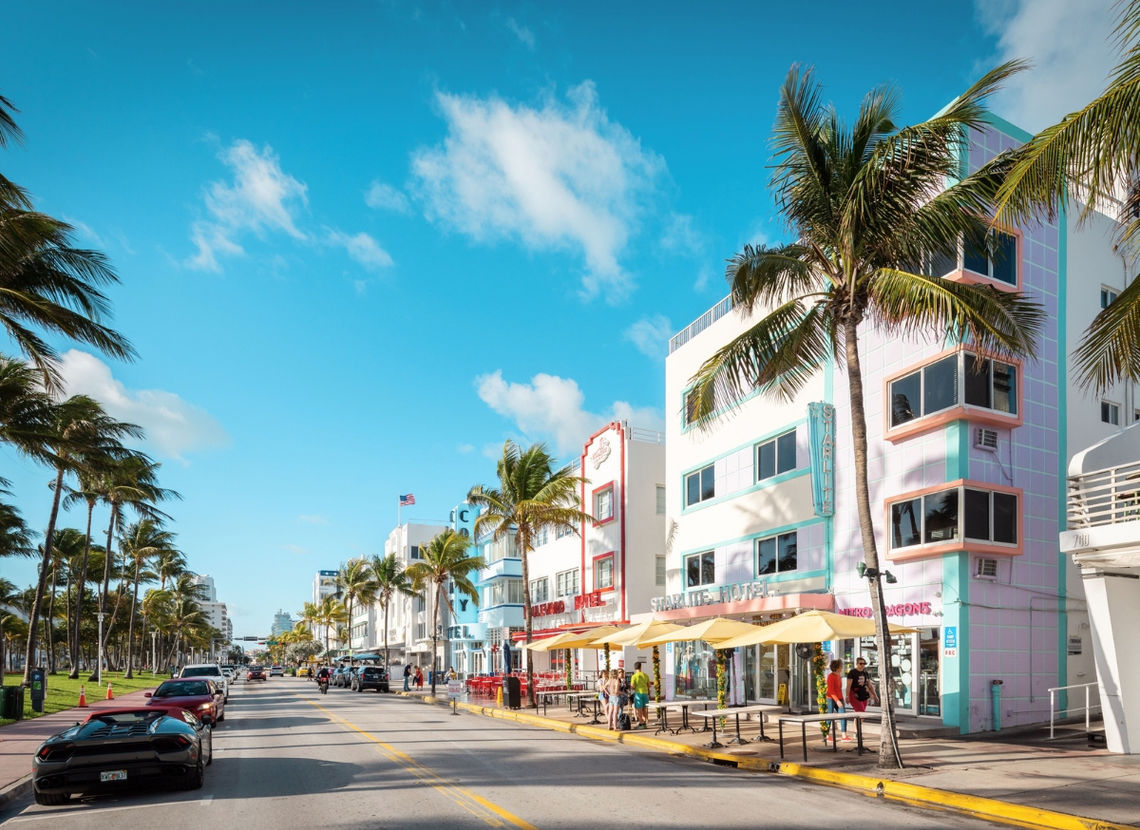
<point>835,696</point>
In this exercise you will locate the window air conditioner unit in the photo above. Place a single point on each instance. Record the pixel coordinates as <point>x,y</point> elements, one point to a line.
<point>987,568</point>
<point>985,439</point>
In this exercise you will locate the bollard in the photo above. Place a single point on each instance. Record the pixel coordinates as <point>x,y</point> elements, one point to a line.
<point>110,694</point>
<point>995,702</point>
<point>499,697</point>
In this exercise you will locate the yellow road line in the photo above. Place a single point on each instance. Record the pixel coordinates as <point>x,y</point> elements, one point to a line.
<point>460,795</point>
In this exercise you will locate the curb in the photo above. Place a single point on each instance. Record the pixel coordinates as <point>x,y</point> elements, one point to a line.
<point>15,791</point>
<point>914,794</point>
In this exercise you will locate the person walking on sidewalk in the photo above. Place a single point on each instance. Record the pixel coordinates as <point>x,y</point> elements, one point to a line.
<point>407,677</point>
<point>859,688</point>
<point>639,684</point>
<point>835,697</point>
<point>611,691</point>
<point>419,679</point>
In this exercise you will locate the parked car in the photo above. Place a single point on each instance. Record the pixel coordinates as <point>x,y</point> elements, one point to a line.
<point>276,671</point>
<point>198,694</point>
<point>255,673</point>
<point>370,677</point>
<point>341,677</point>
<point>122,747</point>
<point>208,670</point>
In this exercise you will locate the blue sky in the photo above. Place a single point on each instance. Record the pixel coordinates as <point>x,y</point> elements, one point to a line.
<point>362,244</point>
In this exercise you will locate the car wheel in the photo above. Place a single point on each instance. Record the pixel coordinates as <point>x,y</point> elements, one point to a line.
<point>52,799</point>
<point>194,779</point>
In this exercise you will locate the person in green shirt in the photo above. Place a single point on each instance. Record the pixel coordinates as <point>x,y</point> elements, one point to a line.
<point>639,684</point>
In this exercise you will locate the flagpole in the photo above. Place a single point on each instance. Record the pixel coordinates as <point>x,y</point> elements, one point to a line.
<point>399,501</point>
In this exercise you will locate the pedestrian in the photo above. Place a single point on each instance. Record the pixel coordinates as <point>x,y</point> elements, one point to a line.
<point>859,687</point>
<point>407,677</point>
<point>835,697</point>
<point>624,691</point>
<point>419,679</point>
<point>612,689</point>
<point>639,684</point>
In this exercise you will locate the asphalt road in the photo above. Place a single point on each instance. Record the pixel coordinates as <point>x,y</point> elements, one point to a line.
<point>288,757</point>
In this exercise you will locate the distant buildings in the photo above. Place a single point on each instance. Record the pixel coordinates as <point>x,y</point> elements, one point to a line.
<point>216,612</point>
<point>282,622</point>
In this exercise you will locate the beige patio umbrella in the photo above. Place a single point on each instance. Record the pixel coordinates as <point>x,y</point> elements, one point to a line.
<point>810,627</point>
<point>553,642</point>
<point>711,631</point>
<point>639,636</point>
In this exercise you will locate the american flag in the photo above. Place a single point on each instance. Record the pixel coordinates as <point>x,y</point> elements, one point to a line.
<point>408,499</point>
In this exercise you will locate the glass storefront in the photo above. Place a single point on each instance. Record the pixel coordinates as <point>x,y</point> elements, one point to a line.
<point>914,670</point>
<point>694,669</point>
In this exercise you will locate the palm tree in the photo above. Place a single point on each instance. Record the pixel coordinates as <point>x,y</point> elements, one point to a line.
<point>7,597</point>
<point>330,614</point>
<point>531,497</point>
<point>863,203</point>
<point>444,559</point>
<point>355,582</point>
<point>79,427</point>
<point>15,535</point>
<point>1095,154</point>
<point>47,283</point>
<point>25,410</point>
<point>141,542</point>
<point>391,579</point>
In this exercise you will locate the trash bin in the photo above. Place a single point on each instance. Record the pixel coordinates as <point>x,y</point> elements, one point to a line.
<point>512,692</point>
<point>12,703</point>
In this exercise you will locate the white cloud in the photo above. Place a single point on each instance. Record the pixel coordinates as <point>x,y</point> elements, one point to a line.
<point>362,248</point>
<point>651,336</point>
<point>704,277</point>
<point>85,230</point>
<point>261,197</point>
<point>556,178</point>
<point>525,35</point>
<point>1069,45</point>
<point>385,197</point>
<point>465,449</point>
<point>313,519</point>
<point>173,426</point>
<point>551,408</point>
<point>681,237</point>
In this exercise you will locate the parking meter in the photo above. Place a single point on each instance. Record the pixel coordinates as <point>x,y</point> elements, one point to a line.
<point>39,688</point>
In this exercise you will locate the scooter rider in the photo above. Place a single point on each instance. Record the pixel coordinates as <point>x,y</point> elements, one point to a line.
<point>323,677</point>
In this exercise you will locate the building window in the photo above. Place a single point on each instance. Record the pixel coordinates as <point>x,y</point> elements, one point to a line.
<point>659,573</point>
<point>540,590</point>
<point>690,408</point>
<point>563,530</point>
<point>1110,413</point>
<point>954,513</point>
<point>604,504</point>
<point>999,264</point>
<point>660,499</point>
<point>541,537</point>
<point>505,591</point>
<point>566,583</point>
<point>604,572</point>
<point>950,381</point>
<point>699,486</point>
<point>1107,297</point>
<point>776,456</point>
<point>414,552</point>
<point>700,569</point>
<point>776,554</point>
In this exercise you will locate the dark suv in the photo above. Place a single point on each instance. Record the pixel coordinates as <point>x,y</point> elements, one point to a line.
<point>370,677</point>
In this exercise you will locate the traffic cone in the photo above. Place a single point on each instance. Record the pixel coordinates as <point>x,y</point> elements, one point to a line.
<point>110,694</point>
<point>82,697</point>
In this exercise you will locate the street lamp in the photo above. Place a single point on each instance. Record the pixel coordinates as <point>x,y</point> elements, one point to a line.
<point>99,658</point>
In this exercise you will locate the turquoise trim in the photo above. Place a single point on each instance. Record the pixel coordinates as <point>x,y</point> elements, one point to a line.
<point>760,485</point>
<point>829,530</point>
<point>956,613</point>
<point>776,578</point>
<point>1006,127</point>
<point>788,427</point>
<point>957,450</point>
<point>751,537</point>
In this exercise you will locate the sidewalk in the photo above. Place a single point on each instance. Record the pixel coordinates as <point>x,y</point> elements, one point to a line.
<point>1016,777</point>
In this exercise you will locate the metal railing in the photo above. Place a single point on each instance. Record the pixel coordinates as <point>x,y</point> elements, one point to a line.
<point>700,324</point>
<point>1087,707</point>
<point>1104,497</point>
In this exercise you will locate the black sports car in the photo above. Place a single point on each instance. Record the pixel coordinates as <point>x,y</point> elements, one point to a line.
<point>122,748</point>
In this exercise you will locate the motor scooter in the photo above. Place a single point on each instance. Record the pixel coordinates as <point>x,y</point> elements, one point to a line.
<point>323,685</point>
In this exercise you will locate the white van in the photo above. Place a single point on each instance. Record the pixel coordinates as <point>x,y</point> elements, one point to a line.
<point>211,670</point>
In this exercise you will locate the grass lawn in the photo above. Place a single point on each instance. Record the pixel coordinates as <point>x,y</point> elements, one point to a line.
<point>63,693</point>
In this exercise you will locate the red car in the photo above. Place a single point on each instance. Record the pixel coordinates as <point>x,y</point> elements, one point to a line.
<point>255,673</point>
<point>198,695</point>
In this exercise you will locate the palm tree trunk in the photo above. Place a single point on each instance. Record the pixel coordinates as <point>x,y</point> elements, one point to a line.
<point>74,673</point>
<point>131,625</point>
<point>523,540</point>
<point>34,615</point>
<point>435,633</point>
<point>889,757</point>
<point>387,662</point>
<point>49,628</point>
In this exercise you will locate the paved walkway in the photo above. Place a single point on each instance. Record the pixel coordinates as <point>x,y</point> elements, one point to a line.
<point>1016,778</point>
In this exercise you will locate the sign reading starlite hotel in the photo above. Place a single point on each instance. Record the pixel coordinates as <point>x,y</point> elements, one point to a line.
<point>739,592</point>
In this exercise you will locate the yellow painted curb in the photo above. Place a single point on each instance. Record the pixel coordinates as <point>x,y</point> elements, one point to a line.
<point>915,794</point>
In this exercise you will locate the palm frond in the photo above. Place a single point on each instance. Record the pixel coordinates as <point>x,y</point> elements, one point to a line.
<point>1110,349</point>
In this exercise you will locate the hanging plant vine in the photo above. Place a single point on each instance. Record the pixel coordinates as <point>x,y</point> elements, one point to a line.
<point>817,670</point>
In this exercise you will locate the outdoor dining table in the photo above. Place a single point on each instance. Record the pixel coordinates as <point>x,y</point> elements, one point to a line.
<point>581,698</point>
<point>545,696</point>
<point>819,717</point>
<point>685,705</point>
<point>736,712</point>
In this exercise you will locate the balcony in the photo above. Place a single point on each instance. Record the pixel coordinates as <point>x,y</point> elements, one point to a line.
<point>1103,504</point>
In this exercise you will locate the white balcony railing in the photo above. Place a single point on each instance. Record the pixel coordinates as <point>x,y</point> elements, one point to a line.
<point>1104,497</point>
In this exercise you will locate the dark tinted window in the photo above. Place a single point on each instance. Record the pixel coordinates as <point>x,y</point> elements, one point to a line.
<point>1005,518</point>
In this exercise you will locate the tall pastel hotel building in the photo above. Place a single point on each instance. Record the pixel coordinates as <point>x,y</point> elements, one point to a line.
<point>967,461</point>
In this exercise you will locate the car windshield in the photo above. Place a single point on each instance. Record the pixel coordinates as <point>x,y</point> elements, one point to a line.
<point>203,671</point>
<point>182,689</point>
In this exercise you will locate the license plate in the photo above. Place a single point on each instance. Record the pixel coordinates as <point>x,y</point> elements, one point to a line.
<point>113,775</point>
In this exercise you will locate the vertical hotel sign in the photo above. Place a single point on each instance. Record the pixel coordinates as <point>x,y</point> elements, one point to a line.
<point>821,446</point>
